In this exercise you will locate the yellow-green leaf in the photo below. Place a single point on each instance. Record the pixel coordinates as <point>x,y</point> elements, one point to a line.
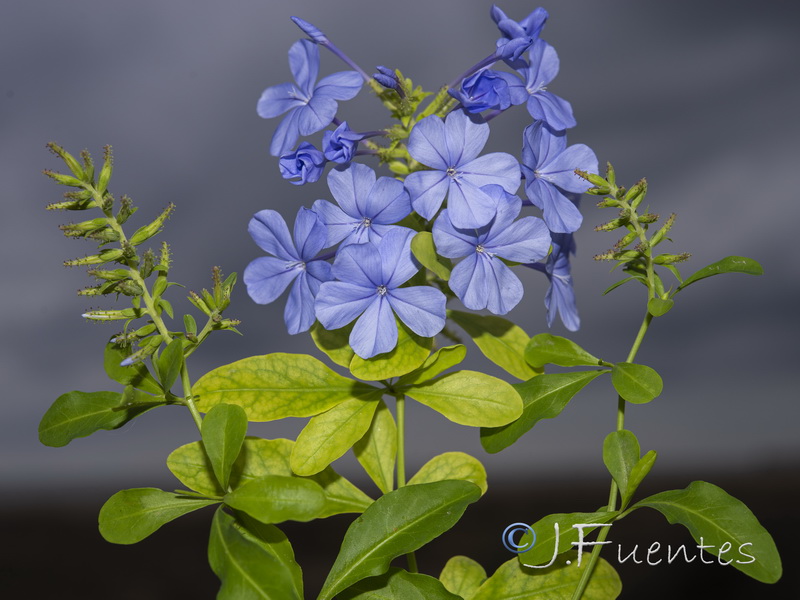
<point>410,352</point>
<point>377,449</point>
<point>452,465</point>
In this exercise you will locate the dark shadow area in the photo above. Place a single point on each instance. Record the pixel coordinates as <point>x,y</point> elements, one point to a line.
<point>53,552</point>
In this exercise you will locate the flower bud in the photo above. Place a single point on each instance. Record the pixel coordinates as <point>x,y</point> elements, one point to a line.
<point>63,179</point>
<point>112,315</point>
<point>648,218</point>
<point>105,171</point>
<point>315,34</point>
<point>611,175</point>
<point>636,194</point>
<point>108,255</point>
<point>147,231</point>
<point>304,165</point>
<point>668,259</point>
<point>69,160</point>
<point>658,236</point>
<point>126,209</point>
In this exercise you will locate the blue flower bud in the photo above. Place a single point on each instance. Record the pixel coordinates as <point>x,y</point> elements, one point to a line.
<point>304,164</point>
<point>315,34</point>
<point>341,144</point>
<point>489,89</point>
<point>387,81</point>
<point>511,50</point>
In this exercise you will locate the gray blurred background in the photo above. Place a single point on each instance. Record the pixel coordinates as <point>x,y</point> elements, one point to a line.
<point>701,98</point>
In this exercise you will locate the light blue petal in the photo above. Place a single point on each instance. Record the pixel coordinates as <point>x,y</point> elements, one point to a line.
<point>277,99</point>
<point>360,265</point>
<point>340,86</point>
<point>552,109</point>
<point>397,263</point>
<point>267,277</point>
<point>524,241</point>
<point>375,331</point>
<point>387,202</point>
<point>304,64</point>
<point>463,138</point>
<point>338,223</point>
<point>310,233</point>
<point>269,231</point>
<point>559,213</point>
<point>351,188</point>
<point>338,303</point>
<point>422,308</point>
<point>318,271</point>
<point>452,242</point>
<point>544,65</point>
<point>540,145</point>
<point>427,190</point>
<point>299,312</point>
<point>505,289</point>
<point>427,144</point>
<point>561,169</point>
<point>286,134</point>
<point>497,168</point>
<point>561,298</point>
<point>469,206</point>
<point>468,281</point>
<point>316,115</point>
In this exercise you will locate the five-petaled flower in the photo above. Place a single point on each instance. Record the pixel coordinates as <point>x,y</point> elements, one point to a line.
<point>549,169</point>
<point>451,148</point>
<point>268,276</point>
<point>370,276</point>
<point>311,106</point>
<point>482,280</point>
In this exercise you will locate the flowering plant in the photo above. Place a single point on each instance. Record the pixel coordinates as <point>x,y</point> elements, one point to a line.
<point>370,275</point>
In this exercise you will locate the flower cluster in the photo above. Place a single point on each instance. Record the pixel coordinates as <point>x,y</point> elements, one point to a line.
<point>444,185</point>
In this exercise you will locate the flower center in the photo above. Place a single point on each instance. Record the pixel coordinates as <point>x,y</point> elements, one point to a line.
<point>451,171</point>
<point>366,222</point>
<point>381,289</point>
<point>480,249</point>
<point>296,265</point>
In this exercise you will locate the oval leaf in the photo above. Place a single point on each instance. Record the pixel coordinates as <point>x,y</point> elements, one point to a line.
<point>278,385</point>
<point>169,363</point>
<point>462,576</point>
<point>410,352</point>
<point>452,465</point>
<point>130,516</point>
<point>659,306</point>
<point>716,519</point>
<point>274,499</point>
<point>469,398</point>
<point>136,374</point>
<point>499,340</point>
<point>397,584</point>
<point>638,384</point>
<point>553,349</point>
<point>377,449</point>
<point>638,473</point>
<point>543,397</point>
<point>555,535</point>
<point>436,364</point>
<point>223,431</point>
<point>335,343</point>
<point>730,264</point>
<point>252,564</point>
<point>398,523</point>
<point>329,435</point>
<point>424,250</point>
<point>620,454</point>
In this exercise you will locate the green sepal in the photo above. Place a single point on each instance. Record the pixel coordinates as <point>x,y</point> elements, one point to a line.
<point>543,397</point>
<point>558,527</point>
<point>636,383</point>
<point>730,264</point>
<point>424,251</point>
<point>131,515</point>
<point>334,343</point>
<point>716,519</point>
<point>452,465</point>
<point>169,363</point>
<point>500,340</point>
<point>278,385</point>
<point>397,584</point>
<point>545,348</point>
<point>136,374</point>
<point>469,398</point>
<point>79,414</point>
<point>462,576</point>
<point>329,435</point>
<point>277,498</point>
<point>252,560</point>
<point>410,352</point>
<point>397,523</point>
<point>377,449</point>
<point>223,430</point>
<point>557,582</point>
<point>436,364</point>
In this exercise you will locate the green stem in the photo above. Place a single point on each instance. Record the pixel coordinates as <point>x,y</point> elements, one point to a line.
<point>613,491</point>
<point>401,463</point>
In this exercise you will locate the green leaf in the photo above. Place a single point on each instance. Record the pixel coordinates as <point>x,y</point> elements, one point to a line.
<point>335,343</point>
<point>436,364</point>
<point>730,264</point>
<point>130,516</point>
<point>723,525</point>
<point>136,375</point>
<point>169,363</point>
<point>636,383</point>
<point>252,562</point>
<point>329,435</point>
<point>425,252</point>
<point>616,284</point>
<point>397,523</point>
<point>223,431</point>
<point>275,498</point>
<point>452,465</point>
<point>377,449</point>
<point>620,454</point>
<point>469,398</point>
<point>258,458</point>
<point>543,397</point>
<point>558,528</point>
<point>499,340</point>
<point>78,414</point>
<point>397,584</point>
<point>545,348</point>
<point>410,352</point>
<point>512,581</point>
<point>462,576</point>
<point>659,306</point>
<point>278,385</point>
<point>637,475</point>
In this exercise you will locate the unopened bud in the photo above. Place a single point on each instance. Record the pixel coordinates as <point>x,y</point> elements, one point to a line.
<point>659,235</point>
<point>148,262</point>
<point>611,175</point>
<point>628,239</point>
<point>105,171</point>
<point>195,299</point>
<point>108,255</point>
<point>126,209</point>
<point>608,203</point>
<point>636,194</point>
<point>668,259</point>
<point>627,255</point>
<point>68,159</point>
<point>91,291</point>
<point>112,315</point>
<point>63,179</point>
<point>592,178</point>
<point>109,275</point>
<point>648,218</point>
<point>147,231</point>
<point>314,33</point>
<point>88,167</point>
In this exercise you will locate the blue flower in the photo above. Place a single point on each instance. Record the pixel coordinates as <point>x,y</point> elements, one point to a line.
<point>544,105</point>
<point>267,277</point>
<point>310,107</point>
<point>489,89</point>
<point>305,164</point>
<point>482,280</point>
<point>367,208</point>
<point>549,169</point>
<point>340,145</point>
<point>513,31</point>
<point>560,295</point>
<point>369,278</point>
<point>451,149</point>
